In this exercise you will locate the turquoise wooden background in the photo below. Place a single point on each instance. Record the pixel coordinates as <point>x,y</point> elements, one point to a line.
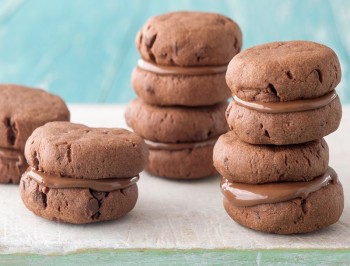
<point>84,50</point>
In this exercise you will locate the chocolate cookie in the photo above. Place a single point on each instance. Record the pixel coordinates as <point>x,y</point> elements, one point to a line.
<point>185,90</point>
<point>22,110</point>
<point>181,161</point>
<point>257,126</point>
<point>176,124</point>
<point>189,39</point>
<point>76,150</point>
<point>241,162</point>
<point>316,210</point>
<point>283,71</point>
<point>81,175</point>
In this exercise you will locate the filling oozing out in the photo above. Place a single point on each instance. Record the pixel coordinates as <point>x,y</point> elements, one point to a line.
<point>176,70</point>
<point>290,106</point>
<point>103,185</point>
<point>246,195</point>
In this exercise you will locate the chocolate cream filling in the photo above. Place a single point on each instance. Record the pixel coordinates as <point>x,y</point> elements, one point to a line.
<point>103,185</point>
<point>290,106</point>
<point>176,70</point>
<point>11,155</point>
<point>246,195</point>
<point>179,146</point>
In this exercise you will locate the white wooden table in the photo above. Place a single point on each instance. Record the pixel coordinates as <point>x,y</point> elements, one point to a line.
<point>168,214</point>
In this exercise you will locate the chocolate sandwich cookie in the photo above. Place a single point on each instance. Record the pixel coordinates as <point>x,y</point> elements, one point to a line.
<point>288,207</point>
<point>180,139</point>
<point>284,93</point>
<point>79,174</point>
<point>23,109</point>
<point>184,58</point>
<point>242,162</point>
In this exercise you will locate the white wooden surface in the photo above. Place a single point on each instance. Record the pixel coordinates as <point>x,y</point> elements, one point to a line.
<point>168,215</point>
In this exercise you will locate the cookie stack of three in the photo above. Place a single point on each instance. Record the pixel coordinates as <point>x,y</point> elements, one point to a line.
<point>180,81</point>
<point>274,162</point>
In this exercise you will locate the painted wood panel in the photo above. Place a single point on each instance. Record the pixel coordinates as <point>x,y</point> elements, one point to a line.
<point>84,50</point>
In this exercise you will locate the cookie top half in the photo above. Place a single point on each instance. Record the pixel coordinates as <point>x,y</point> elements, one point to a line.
<point>284,71</point>
<point>238,161</point>
<point>23,109</point>
<point>189,39</point>
<point>74,150</point>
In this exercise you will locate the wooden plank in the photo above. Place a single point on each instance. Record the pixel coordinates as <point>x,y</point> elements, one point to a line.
<point>184,257</point>
<point>168,215</point>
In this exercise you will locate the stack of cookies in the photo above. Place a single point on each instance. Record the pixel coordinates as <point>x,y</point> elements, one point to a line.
<point>183,95</point>
<point>274,162</point>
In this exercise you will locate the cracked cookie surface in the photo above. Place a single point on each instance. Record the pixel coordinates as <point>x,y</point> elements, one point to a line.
<point>189,39</point>
<point>284,71</point>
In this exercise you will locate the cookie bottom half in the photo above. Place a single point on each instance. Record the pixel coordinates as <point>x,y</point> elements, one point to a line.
<point>182,164</point>
<point>76,205</point>
<point>319,210</point>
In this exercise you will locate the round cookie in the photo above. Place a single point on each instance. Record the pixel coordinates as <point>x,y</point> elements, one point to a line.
<point>80,174</point>
<point>241,162</point>
<point>77,205</point>
<point>186,90</point>
<point>76,150</point>
<point>188,163</point>
<point>320,209</point>
<point>23,109</point>
<point>189,39</point>
<point>176,124</point>
<point>283,71</point>
<point>283,128</point>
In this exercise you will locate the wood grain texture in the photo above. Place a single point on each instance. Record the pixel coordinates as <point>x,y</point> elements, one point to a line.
<point>85,52</point>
